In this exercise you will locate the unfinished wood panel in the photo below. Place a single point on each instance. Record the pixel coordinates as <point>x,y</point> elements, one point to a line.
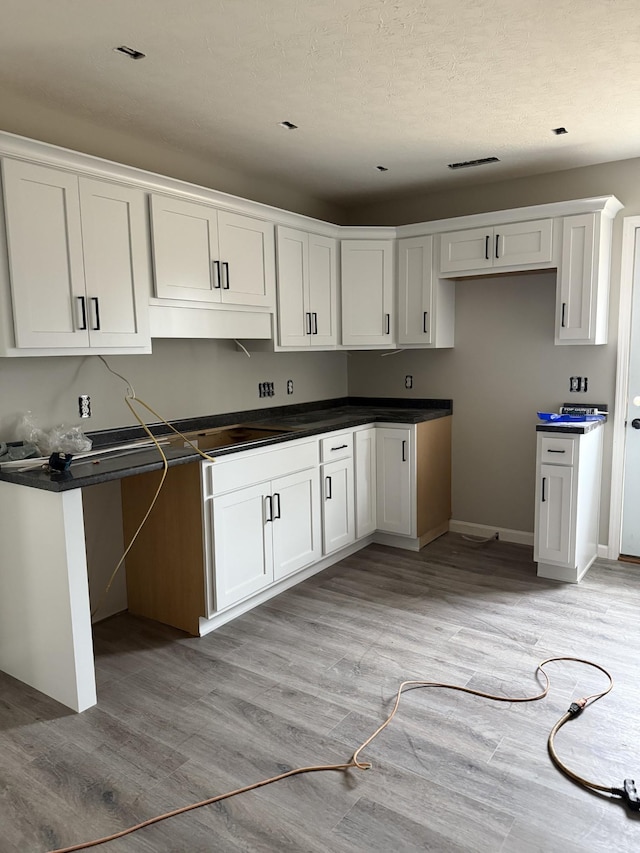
<point>165,567</point>
<point>433,480</point>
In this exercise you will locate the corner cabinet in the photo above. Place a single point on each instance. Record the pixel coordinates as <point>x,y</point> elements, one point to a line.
<point>203,254</point>
<point>426,304</point>
<point>78,262</point>
<point>367,293</point>
<point>307,284</point>
<point>568,473</point>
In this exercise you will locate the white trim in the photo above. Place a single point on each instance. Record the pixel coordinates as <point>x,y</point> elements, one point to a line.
<point>607,205</point>
<point>519,537</point>
<point>563,574</point>
<point>629,226</point>
<point>603,552</point>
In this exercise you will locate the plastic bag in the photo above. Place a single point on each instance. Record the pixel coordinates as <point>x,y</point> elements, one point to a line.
<point>63,438</point>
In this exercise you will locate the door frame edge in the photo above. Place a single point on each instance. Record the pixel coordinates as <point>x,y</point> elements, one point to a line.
<point>630,224</point>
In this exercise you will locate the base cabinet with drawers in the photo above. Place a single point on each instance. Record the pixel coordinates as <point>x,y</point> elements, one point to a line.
<point>568,473</point>
<point>227,534</point>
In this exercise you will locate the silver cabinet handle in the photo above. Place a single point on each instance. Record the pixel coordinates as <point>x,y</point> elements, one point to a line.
<point>217,276</point>
<point>83,309</point>
<point>328,488</point>
<point>96,313</point>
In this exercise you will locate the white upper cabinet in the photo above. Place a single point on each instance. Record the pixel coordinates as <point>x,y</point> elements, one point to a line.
<point>204,255</point>
<point>367,293</point>
<point>516,244</point>
<point>78,260</point>
<point>583,280</point>
<point>307,289</point>
<point>425,303</point>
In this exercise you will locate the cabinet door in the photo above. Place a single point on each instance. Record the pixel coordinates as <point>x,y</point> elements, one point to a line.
<point>365,481</point>
<point>575,303</point>
<point>45,256</point>
<point>247,258</point>
<point>294,317</point>
<point>114,237</point>
<point>367,292</point>
<point>415,288</point>
<point>296,522</point>
<point>466,250</point>
<point>242,544</point>
<point>555,515</point>
<point>185,250</point>
<point>338,520</point>
<point>393,474</point>
<point>323,289</point>
<point>522,243</point>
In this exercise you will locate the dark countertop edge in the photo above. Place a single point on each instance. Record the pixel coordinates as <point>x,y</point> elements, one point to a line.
<point>569,428</point>
<point>148,460</point>
<point>103,438</point>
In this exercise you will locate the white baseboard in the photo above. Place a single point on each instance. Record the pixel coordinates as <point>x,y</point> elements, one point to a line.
<point>484,531</point>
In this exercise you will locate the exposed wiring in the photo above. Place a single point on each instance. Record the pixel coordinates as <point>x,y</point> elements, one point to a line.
<point>242,347</point>
<point>476,540</point>
<point>627,793</point>
<point>130,398</point>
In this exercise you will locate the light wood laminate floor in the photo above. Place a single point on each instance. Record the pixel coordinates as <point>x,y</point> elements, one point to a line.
<point>306,677</point>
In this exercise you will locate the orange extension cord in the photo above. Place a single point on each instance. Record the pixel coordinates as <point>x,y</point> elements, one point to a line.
<point>355,762</point>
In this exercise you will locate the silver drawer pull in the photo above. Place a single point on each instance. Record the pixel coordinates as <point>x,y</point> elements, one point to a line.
<point>340,447</point>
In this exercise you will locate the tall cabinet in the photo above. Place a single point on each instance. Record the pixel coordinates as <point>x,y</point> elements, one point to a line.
<point>367,293</point>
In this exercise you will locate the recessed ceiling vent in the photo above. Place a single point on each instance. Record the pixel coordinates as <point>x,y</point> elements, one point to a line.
<point>130,52</point>
<point>468,163</point>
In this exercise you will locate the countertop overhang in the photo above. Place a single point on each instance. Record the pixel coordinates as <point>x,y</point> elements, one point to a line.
<point>298,421</point>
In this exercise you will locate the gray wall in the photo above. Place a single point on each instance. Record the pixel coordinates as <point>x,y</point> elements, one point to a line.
<point>504,366</point>
<point>180,379</point>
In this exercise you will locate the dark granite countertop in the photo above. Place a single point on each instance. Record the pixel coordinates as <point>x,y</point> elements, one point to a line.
<point>571,428</point>
<point>298,421</point>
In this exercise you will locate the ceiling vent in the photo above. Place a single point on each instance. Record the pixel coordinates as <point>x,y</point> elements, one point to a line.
<point>130,52</point>
<point>466,164</point>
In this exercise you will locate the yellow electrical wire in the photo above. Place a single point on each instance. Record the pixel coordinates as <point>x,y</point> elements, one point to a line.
<point>355,762</point>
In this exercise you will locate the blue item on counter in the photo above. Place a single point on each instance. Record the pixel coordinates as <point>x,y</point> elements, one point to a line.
<point>553,417</point>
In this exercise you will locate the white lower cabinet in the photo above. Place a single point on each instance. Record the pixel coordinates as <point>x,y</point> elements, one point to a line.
<point>365,481</point>
<point>338,519</point>
<point>243,544</point>
<point>393,475</point>
<point>263,533</point>
<point>567,503</point>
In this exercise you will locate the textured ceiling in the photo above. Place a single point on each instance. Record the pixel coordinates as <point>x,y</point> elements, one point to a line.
<point>409,85</point>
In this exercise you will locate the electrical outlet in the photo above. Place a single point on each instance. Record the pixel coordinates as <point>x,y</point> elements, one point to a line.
<point>84,406</point>
<point>578,383</point>
<point>289,386</point>
<point>266,389</point>
<point>408,381</point>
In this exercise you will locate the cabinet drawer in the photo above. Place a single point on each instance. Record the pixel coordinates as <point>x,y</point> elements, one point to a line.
<point>557,451</point>
<point>336,446</point>
<point>251,467</point>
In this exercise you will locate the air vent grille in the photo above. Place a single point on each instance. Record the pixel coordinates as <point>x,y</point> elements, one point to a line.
<point>466,164</point>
